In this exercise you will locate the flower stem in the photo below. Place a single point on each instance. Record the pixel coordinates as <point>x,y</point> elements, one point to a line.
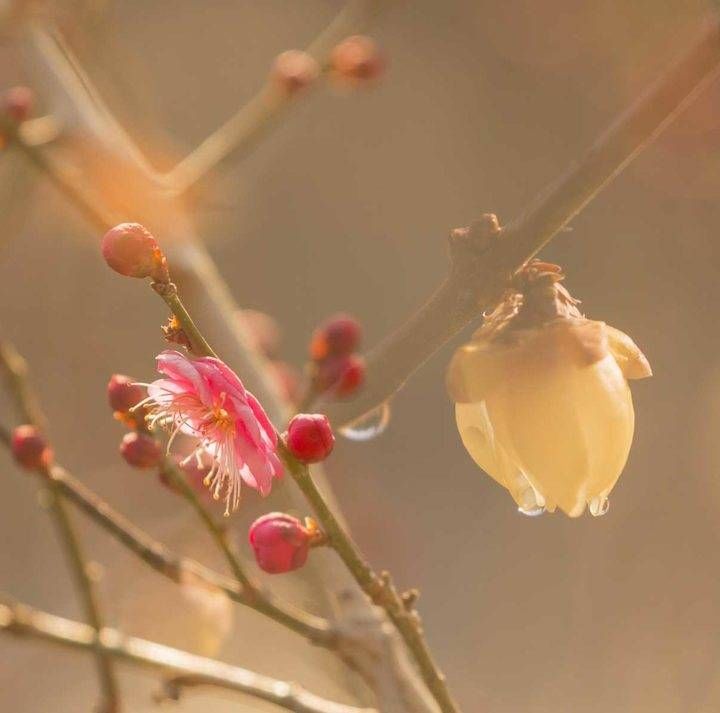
<point>378,587</point>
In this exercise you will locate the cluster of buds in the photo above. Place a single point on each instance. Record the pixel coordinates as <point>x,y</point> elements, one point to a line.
<point>336,368</point>
<point>138,447</point>
<point>30,448</point>
<point>354,62</point>
<point>281,543</point>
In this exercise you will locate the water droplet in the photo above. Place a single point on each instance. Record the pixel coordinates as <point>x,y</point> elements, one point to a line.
<point>532,512</point>
<point>368,426</point>
<point>599,506</point>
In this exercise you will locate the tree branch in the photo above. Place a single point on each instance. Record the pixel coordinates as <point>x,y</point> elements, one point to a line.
<point>469,289</point>
<point>241,133</point>
<point>24,621</point>
<point>16,370</point>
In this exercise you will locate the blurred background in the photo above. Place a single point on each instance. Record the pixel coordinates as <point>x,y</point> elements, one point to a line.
<point>346,207</point>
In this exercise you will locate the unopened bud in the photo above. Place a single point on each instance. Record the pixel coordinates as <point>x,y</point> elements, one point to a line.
<point>18,103</point>
<point>339,335</point>
<point>281,542</point>
<point>140,450</point>
<point>310,438</point>
<point>30,449</point>
<point>294,70</point>
<point>357,60</point>
<point>131,250</point>
<point>340,376</point>
<point>123,393</point>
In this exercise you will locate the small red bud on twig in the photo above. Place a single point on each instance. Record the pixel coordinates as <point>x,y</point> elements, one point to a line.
<point>18,103</point>
<point>294,70</point>
<point>357,60</point>
<point>281,543</point>
<point>123,393</point>
<point>309,437</point>
<point>131,250</point>
<point>141,450</point>
<point>30,449</point>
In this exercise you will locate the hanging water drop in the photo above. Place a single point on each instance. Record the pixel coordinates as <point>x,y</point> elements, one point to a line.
<point>369,426</point>
<point>599,506</point>
<point>532,512</point>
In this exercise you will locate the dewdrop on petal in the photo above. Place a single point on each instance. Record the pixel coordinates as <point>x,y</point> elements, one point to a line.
<point>542,397</point>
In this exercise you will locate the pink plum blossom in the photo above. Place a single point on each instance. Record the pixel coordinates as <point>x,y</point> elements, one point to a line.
<point>205,399</point>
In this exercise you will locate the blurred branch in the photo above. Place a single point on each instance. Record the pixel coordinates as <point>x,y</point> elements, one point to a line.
<point>176,568</point>
<point>480,268</point>
<point>21,620</point>
<point>241,133</point>
<point>16,371</point>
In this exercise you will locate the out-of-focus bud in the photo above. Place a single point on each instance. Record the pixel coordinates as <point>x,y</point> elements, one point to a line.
<point>18,103</point>
<point>131,250</point>
<point>30,449</point>
<point>294,70</point>
<point>337,336</point>
<point>357,60</point>
<point>264,330</point>
<point>141,450</point>
<point>123,393</point>
<point>281,542</point>
<point>542,399</point>
<point>340,376</point>
<point>309,437</point>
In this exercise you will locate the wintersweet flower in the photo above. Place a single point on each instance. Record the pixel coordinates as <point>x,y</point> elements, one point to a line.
<point>205,399</point>
<point>542,397</point>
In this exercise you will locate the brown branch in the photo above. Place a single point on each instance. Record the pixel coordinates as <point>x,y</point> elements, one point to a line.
<point>378,587</point>
<point>241,133</point>
<point>176,568</point>
<point>21,620</point>
<point>29,406</point>
<point>471,287</point>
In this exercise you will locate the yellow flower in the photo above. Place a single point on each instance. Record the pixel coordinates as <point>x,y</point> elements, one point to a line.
<point>542,399</point>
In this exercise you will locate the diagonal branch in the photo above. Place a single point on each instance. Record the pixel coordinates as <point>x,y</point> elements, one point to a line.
<point>486,265</point>
<point>21,620</point>
<point>242,131</point>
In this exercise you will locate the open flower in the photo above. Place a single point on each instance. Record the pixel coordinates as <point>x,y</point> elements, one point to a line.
<point>542,399</point>
<point>205,399</point>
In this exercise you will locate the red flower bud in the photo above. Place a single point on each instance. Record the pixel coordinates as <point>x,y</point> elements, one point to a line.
<point>18,103</point>
<point>281,542</point>
<point>30,449</point>
<point>140,450</point>
<point>340,376</point>
<point>131,250</point>
<point>309,437</point>
<point>357,60</point>
<point>123,393</point>
<point>294,70</point>
<point>338,335</point>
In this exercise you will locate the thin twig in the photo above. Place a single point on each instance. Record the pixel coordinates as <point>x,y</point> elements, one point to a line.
<point>241,133</point>
<point>21,620</point>
<point>28,404</point>
<point>466,293</point>
<point>176,568</point>
<point>378,587</point>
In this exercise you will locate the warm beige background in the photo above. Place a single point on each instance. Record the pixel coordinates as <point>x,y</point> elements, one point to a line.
<point>346,207</point>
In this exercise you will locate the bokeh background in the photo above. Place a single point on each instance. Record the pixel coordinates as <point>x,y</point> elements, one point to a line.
<point>346,207</point>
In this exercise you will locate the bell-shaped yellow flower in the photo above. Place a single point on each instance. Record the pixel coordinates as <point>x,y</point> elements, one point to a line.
<point>542,399</point>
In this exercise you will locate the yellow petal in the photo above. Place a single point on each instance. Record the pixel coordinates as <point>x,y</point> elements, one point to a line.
<point>632,361</point>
